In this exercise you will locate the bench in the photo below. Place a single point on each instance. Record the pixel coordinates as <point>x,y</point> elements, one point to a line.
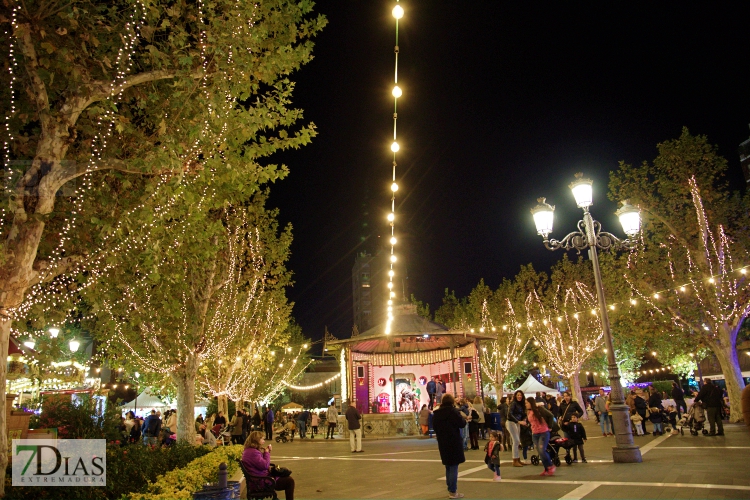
<point>266,482</point>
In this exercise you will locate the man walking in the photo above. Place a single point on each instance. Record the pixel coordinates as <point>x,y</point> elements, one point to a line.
<point>270,417</point>
<point>355,429</point>
<point>332,417</point>
<point>600,407</point>
<point>679,399</point>
<point>711,397</point>
<point>431,388</point>
<point>302,423</point>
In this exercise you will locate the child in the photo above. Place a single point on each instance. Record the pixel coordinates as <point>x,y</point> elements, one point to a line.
<point>672,418</point>
<point>290,427</point>
<point>637,421</point>
<point>492,454</point>
<point>656,418</point>
<point>314,420</point>
<point>578,434</point>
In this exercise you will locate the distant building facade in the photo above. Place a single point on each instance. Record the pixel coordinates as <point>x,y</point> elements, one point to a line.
<point>745,159</point>
<point>369,292</point>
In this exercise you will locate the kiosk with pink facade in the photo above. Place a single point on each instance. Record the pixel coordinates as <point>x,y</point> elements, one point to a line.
<point>386,375</point>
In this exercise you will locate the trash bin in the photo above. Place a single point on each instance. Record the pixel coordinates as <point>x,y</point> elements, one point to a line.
<point>495,422</point>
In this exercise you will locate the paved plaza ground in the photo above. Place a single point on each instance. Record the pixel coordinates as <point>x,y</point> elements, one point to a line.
<point>683,467</point>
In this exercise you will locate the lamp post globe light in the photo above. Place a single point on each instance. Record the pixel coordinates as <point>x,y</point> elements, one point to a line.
<point>591,237</point>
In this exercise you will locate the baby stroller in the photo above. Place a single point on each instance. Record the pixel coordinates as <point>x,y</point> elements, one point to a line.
<point>284,436</point>
<point>553,449</point>
<point>223,434</point>
<point>694,420</point>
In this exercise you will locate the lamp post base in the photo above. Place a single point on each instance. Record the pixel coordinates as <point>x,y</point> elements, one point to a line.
<point>626,450</point>
<point>626,454</point>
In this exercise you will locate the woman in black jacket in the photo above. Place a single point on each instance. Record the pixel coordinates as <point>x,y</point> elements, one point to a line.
<point>516,414</point>
<point>447,422</point>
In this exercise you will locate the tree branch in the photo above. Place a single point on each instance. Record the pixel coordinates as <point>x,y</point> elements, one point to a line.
<point>100,90</point>
<point>42,273</point>
<point>38,89</point>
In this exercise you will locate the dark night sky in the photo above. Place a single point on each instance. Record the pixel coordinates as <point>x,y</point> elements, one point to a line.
<point>503,102</point>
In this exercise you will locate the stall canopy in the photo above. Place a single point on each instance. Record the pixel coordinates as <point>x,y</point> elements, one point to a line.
<point>147,400</point>
<point>531,386</point>
<point>291,407</point>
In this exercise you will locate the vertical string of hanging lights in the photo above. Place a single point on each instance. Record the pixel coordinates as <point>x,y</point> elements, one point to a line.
<point>398,13</point>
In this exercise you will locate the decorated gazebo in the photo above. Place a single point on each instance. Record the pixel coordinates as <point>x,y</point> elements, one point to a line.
<point>387,373</point>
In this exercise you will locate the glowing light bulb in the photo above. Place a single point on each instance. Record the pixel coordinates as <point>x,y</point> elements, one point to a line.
<point>390,285</point>
<point>481,329</point>
<point>391,217</point>
<point>656,295</point>
<point>393,258</point>
<point>391,273</point>
<point>711,280</point>
<point>682,288</point>
<point>74,345</point>
<point>633,301</point>
<point>743,271</point>
<point>396,92</point>
<point>394,187</point>
<point>30,343</point>
<point>54,332</point>
<point>612,307</point>
<point>575,315</point>
<point>559,319</point>
<point>392,295</point>
<point>395,147</point>
<point>304,346</point>
<point>398,12</point>
<point>390,302</point>
<point>393,240</point>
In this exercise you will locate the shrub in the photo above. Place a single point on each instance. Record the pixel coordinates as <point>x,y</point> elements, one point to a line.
<point>183,482</point>
<point>79,419</point>
<point>490,403</point>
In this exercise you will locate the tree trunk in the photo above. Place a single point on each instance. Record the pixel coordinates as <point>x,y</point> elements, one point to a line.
<point>575,393</point>
<point>5,324</point>
<point>184,379</point>
<point>730,367</point>
<point>499,382</point>
<point>223,406</point>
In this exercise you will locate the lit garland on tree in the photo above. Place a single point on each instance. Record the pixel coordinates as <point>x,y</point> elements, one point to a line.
<point>566,340</point>
<point>506,350</point>
<point>713,299</point>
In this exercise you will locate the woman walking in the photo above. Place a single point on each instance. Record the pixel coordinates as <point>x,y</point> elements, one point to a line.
<point>447,422</point>
<point>516,414</point>
<point>537,418</point>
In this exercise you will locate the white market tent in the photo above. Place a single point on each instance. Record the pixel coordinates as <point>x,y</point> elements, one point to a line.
<point>145,401</point>
<point>531,386</point>
<point>291,407</point>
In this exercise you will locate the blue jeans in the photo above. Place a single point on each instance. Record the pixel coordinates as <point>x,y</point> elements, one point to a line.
<point>604,423</point>
<point>302,427</point>
<point>540,443</point>
<point>657,427</point>
<point>465,436</point>
<point>451,477</point>
<point>494,468</point>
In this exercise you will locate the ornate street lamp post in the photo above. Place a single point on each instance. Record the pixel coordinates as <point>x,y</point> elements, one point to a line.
<point>590,237</point>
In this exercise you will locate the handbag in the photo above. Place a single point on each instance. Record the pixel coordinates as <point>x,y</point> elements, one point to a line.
<point>276,471</point>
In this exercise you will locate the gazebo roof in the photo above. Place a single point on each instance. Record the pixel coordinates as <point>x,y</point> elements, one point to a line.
<point>409,333</point>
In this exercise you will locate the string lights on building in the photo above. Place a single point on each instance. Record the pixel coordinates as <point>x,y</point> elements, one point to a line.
<point>398,13</point>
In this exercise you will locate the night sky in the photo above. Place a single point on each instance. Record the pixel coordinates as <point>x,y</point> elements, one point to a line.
<point>503,102</point>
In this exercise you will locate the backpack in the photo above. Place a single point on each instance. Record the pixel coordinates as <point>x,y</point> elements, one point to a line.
<point>551,422</point>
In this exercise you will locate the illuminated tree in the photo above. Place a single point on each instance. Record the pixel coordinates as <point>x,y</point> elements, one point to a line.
<point>124,92</point>
<point>268,356</point>
<point>569,330</point>
<point>205,287</point>
<point>685,269</point>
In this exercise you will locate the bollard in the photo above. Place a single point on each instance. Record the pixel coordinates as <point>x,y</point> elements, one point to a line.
<point>222,475</point>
